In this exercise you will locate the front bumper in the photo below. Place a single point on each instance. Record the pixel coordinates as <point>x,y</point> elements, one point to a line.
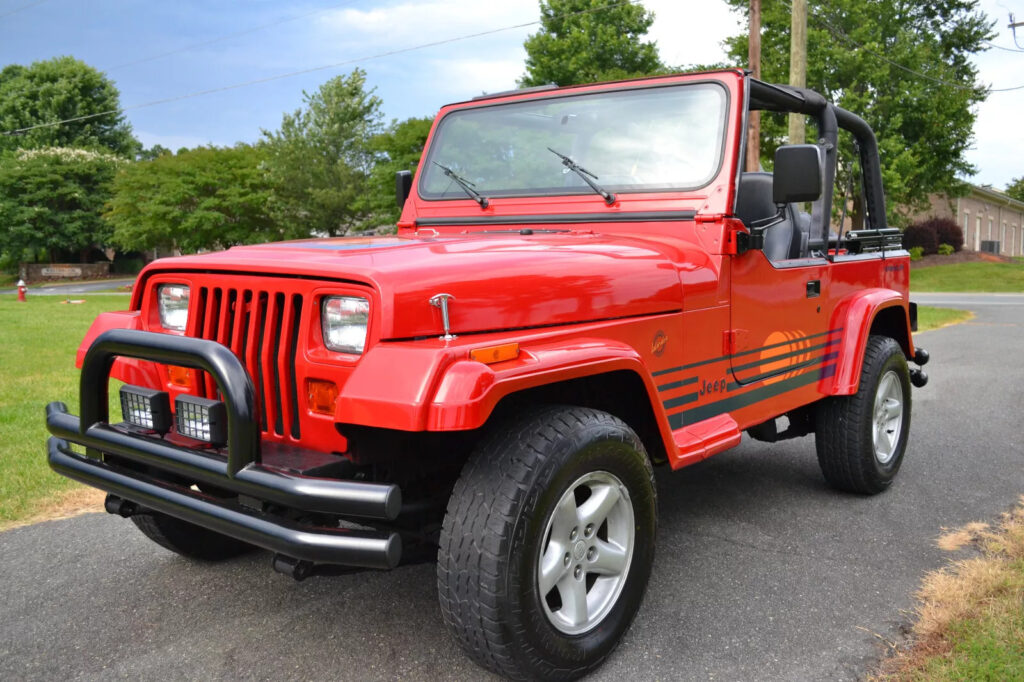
<point>166,477</point>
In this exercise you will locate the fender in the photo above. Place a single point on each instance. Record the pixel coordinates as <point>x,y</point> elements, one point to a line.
<point>129,370</point>
<point>432,389</point>
<point>469,390</point>
<point>855,314</point>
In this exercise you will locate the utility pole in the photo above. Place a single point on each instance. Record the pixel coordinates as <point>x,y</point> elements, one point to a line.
<point>754,60</point>
<point>798,64</point>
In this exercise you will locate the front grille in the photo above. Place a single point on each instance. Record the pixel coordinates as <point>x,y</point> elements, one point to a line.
<point>262,329</point>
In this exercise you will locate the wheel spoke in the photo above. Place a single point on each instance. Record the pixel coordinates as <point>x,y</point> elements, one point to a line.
<point>610,559</point>
<point>595,509</point>
<point>564,519</point>
<point>574,599</point>
<point>552,567</point>
<point>892,408</point>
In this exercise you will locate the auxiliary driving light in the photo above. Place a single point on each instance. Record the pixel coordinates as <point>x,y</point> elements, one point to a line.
<point>146,407</point>
<point>202,419</point>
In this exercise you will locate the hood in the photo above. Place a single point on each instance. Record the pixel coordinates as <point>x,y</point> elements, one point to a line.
<point>497,281</point>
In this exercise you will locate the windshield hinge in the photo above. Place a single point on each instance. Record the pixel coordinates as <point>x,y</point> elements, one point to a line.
<point>709,217</point>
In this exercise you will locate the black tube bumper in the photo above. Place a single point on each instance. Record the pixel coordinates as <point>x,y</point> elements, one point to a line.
<point>114,453</point>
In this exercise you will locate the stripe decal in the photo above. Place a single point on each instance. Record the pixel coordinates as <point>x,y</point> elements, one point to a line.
<point>677,384</point>
<point>681,400</point>
<point>733,385</point>
<point>765,361</point>
<point>671,370</point>
<point>702,412</point>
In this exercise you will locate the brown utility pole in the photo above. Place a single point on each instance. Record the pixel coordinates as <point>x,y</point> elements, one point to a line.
<point>754,59</point>
<point>798,65</point>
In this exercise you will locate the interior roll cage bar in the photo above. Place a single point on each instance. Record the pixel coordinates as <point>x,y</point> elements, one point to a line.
<point>829,118</point>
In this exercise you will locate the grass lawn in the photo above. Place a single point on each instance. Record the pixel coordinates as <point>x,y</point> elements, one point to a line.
<point>970,623</point>
<point>933,318</point>
<point>977,276</point>
<point>38,340</point>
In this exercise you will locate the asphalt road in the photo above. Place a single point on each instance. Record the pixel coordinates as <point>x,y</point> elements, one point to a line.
<point>762,572</point>
<point>72,287</point>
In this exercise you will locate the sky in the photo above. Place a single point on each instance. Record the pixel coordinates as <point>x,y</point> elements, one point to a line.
<point>163,50</point>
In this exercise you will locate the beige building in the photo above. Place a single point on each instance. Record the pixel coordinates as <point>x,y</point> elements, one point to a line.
<point>990,219</point>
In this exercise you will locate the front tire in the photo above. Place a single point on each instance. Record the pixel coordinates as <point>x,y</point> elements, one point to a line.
<point>861,438</point>
<point>188,539</point>
<point>548,543</point>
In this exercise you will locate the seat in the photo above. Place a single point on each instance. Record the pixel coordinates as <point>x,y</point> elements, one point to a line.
<point>754,203</point>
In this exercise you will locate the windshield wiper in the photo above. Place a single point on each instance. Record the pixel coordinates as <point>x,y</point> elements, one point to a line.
<point>464,184</point>
<point>579,170</point>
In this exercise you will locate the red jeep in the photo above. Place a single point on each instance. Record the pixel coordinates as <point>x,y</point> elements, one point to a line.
<point>585,282</point>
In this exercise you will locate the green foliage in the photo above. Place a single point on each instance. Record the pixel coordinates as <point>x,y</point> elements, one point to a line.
<point>590,46</point>
<point>58,89</point>
<point>320,160</point>
<point>924,128</point>
<point>397,148</point>
<point>205,198</point>
<point>916,252</point>
<point>946,250</point>
<point>51,200</point>
<point>1016,189</point>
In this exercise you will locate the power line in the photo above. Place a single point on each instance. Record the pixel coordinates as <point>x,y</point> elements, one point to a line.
<point>839,33</point>
<point>18,9</point>
<point>379,55</point>
<point>1002,47</point>
<point>222,38</point>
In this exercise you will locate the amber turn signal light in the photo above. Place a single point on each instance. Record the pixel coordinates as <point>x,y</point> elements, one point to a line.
<point>322,395</point>
<point>179,376</point>
<point>493,354</point>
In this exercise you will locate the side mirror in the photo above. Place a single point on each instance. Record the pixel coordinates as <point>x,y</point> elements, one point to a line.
<point>797,173</point>
<point>403,186</point>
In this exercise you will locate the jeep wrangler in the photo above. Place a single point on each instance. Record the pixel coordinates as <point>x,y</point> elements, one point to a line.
<point>585,282</point>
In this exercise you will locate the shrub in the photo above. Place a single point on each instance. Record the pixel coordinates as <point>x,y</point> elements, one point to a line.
<point>946,250</point>
<point>921,235</point>
<point>916,253</point>
<point>931,232</point>
<point>948,232</point>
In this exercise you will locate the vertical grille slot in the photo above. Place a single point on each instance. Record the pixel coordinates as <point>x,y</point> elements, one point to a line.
<point>259,323</point>
<point>291,380</point>
<point>262,328</point>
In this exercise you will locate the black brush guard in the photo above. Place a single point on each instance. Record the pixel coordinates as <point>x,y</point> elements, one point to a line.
<point>109,446</point>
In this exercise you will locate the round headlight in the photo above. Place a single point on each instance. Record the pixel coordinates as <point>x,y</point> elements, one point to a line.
<point>344,321</point>
<point>173,301</point>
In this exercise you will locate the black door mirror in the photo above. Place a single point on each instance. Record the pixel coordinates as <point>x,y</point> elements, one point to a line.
<point>403,186</point>
<point>797,174</point>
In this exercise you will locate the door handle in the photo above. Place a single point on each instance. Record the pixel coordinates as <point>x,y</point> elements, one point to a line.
<point>814,288</point>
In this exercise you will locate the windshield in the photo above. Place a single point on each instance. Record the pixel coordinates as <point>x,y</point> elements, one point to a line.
<point>650,139</point>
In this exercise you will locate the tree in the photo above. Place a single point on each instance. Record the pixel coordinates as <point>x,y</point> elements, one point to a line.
<point>923,124</point>
<point>397,148</point>
<point>320,159</point>
<point>1016,189</point>
<point>583,41</point>
<point>204,198</point>
<point>51,200</point>
<point>58,89</point>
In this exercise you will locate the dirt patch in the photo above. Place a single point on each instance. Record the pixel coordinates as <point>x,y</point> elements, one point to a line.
<point>70,503</point>
<point>959,257</point>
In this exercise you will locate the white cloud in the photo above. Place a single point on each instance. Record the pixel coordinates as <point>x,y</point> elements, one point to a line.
<point>690,32</point>
<point>413,23</point>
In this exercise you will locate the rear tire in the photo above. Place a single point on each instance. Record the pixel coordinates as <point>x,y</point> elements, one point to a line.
<point>534,582</point>
<point>861,438</point>
<point>188,539</point>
